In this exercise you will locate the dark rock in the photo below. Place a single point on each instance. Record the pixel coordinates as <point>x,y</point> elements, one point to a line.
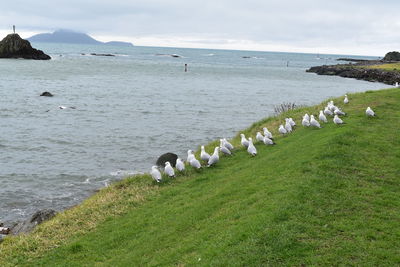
<point>47,94</point>
<point>171,157</point>
<point>102,55</point>
<point>358,72</point>
<point>392,56</point>
<point>37,218</point>
<point>13,46</point>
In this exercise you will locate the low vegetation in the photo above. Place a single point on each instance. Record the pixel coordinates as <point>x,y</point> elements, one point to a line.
<point>387,67</point>
<point>321,197</point>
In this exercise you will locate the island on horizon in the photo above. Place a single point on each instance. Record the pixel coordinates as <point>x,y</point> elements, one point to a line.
<point>72,37</point>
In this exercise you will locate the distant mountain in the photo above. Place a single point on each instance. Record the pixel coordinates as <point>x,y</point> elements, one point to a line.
<point>71,37</point>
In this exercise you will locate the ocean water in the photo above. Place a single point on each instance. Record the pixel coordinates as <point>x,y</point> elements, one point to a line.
<point>129,109</point>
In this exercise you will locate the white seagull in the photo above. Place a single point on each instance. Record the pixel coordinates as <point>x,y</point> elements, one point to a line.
<point>204,156</point>
<point>259,137</point>
<point>346,100</point>
<point>337,111</point>
<point>305,122</point>
<point>369,112</point>
<point>282,130</point>
<point>169,170</point>
<point>227,144</point>
<point>292,123</point>
<point>244,141</point>
<point>322,116</point>
<point>214,157</point>
<point>156,174</point>
<point>268,141</point>
<point>328,112</point>
<point>195,163</point>
<point>267,133</point>
<point>223,148</point>
<point>314,122</point>
<point>251,148</point>
<point>190,155</point>
<point>288,126</point>
<point>180,166</point>
<point>306,117</point>
<point>337,120</point>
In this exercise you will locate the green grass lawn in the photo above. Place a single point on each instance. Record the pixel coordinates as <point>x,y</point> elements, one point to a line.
<point>388,67</point>
<point>320,197</point>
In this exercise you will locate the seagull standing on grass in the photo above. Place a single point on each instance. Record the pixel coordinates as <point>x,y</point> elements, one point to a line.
<point>214,157</point>
<point>204,156</point>
<point>244,141</point>
<point>223,148</point>
<point>322,117</point>
<point>346,100</point>
<point>156,174</point>
<point>180,166</point>
<point>190,155</point>
<point>169,170</point>
<point>259,137</point>
<point>292,123</point>
<point>282,130</point>
<point>195,163</point>
<point>337,120</point>
<point>314,122</point>
<point>268,141</point>
<point>227,144</point>
<point>267,133</point>
<point>337,111</point>
<point>328,112</point>
<point>369,112</point>
<point>251,148</point>
<point>305,122</point>
<point>288,126</point>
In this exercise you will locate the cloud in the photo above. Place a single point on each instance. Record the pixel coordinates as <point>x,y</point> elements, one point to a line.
<point>265,23</point>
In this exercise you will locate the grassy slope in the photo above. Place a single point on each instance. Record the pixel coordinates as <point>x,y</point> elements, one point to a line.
<point>326,196</point>
<point>388,67</point>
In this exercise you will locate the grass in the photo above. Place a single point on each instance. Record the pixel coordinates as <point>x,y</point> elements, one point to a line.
<point>327,196</point>
<point>387,67</point>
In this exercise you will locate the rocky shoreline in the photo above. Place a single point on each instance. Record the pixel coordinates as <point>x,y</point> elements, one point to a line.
<point>359,71</point>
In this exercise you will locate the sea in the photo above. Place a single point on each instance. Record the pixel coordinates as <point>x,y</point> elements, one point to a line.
<point>119,113</point>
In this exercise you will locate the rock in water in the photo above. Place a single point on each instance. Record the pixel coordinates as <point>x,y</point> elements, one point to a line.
<point>37,218</point>
<point>47,94</point>
<point>171,157</point>
<point>13,46</point>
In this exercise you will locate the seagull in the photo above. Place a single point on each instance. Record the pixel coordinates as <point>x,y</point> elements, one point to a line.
<point>214,157</point>
<point>292,123</point>
<point>305,122</point>
<point>268,141</point>
<point>322,117</point>
<point>227,144</point>
<point>288,126</point>
<point>62,107</point>
<point>259,137</point>
<point>337,111</point>
<point>180,166</point>
<point>282,130</point>
<point>244,141</point>
<point>306,117</point>
<point>346,100</point>
<point>156,174</point>
<point>331,106</point>
<point>314,122</point>
<point>204,156</point>
<point>370,112</point>
<point>251,148</point>
<point>223,148</point>
<point>337,120</point>
<point>195,163</point>
<point>328,112</point>
<point>169,170</point>
<point>190,155</point>
<point>267,133</point>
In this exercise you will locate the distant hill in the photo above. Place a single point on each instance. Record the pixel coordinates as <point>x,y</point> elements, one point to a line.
<point>71,37</point>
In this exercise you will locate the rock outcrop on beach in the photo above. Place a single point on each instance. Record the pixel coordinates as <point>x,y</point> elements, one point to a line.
<point>357,72</point>
<point>13,46</point>
<point>37,218</point>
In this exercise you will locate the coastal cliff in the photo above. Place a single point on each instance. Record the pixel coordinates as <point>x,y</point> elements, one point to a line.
<point>13,46</point>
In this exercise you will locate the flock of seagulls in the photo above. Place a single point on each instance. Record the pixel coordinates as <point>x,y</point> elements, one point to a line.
<point>225,147</point>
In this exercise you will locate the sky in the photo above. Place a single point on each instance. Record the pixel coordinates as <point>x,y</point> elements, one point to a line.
<point>352,27</point>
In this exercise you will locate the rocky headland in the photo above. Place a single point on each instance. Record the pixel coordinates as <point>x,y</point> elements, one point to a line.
<point>13,46</point>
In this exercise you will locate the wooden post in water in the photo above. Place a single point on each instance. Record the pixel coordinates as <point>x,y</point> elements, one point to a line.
<point>186,68</point>
<point>14,29</point>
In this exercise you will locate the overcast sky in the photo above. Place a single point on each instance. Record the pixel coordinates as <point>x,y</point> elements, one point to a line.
<point>367,27</point>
